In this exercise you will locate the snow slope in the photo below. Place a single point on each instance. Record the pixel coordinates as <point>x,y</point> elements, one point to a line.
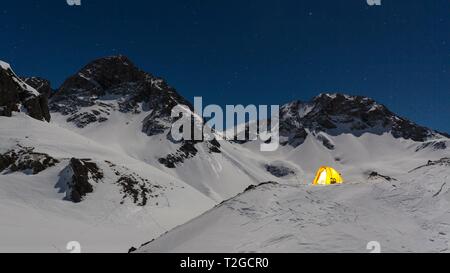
<point>112,102</point>
<point>410,214</point>
<point>35,217</point>
<point>385,197</point>
<point>37,214</point>
<point>217,175</point>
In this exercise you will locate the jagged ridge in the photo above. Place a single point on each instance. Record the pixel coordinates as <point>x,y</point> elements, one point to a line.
<point>14,93</point>
<point>338,114</point>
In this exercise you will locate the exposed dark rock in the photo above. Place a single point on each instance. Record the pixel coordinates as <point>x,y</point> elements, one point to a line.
<point>116,84</point>
<point>214,146</point>
<point>44,88</point>
<point>326,142</point>
<point>252,187</point>
<point>375,175</point>
<point>131,187</point>
<point>187,150</point>
<point>6,160</point>
<point>279,171</point>
<point>81,120</point>
<point>37,107</point>
<point>14,91</point>
<point>435,145</point>
<point>9,94</point>
<point>26,160</point>
<point>140,190</point>
<point>117,78</point>
<point>337,114</point>
<point>84,172</point>
<point>101,75</point>
<point>444,162</point>
<point>294,137</point>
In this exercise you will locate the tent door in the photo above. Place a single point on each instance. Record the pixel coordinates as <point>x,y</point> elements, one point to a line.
<point>322,178</point>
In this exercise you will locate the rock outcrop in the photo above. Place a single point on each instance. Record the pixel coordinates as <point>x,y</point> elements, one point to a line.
<point>16,95</point>
<point>24,159</point>
<point>84,173</point>
<point>44,88</point>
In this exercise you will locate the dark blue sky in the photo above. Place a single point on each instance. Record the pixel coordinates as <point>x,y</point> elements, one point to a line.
<point>249,51</point>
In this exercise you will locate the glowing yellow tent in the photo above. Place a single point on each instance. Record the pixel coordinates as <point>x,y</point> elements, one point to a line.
<point>327,176</point>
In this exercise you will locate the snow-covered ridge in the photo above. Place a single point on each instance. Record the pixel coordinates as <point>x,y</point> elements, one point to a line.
<point>18,95</point>
<point>18,80</point>
<point>4,65</point>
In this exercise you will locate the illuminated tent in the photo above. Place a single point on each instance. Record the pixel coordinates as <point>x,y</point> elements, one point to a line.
<point>327,176</point>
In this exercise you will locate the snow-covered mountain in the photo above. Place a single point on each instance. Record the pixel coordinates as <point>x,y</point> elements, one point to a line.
<point>395,187</point>
<point>408,213</point>
<point>337,114</point>
<point>59,186</point>
<point>113,102</point>
<point>104,171</point>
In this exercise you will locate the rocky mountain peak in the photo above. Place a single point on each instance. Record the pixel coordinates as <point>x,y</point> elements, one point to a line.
<point>116,84</point>
<point>333,110</point>
<point>41,85</point>
<point>339,113</point>
<point>100,75</point>
<point>336,104</point>
<point>16,93</point>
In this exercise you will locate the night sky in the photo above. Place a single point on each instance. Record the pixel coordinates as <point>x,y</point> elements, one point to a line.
<point>249,51</point>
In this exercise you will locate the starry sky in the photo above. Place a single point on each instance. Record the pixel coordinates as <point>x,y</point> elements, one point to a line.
<point>249,52</point>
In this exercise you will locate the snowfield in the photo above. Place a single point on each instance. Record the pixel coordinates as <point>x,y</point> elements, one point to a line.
<point>106,173</point>
<point>408,215</point>
<point>393,194</point>
<point>218,176</point>
<point>34,217</point>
